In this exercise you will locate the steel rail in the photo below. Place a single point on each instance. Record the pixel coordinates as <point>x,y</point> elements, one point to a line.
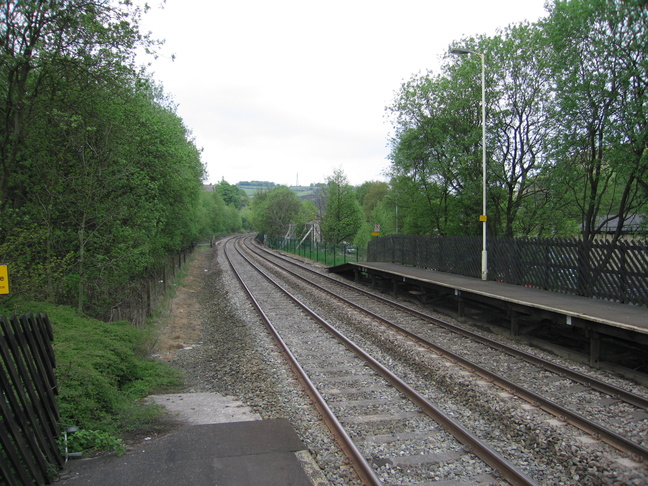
<point>589,381</point>
<point>637,451</point>
<point>491,457</point>
<point>363,469</point>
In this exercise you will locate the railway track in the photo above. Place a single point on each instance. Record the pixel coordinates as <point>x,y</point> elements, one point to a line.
<point>394,425</point>
<point>357,394</point>
<point>565,393</point>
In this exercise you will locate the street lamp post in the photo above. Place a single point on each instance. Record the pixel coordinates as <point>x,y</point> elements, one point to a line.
<point>483,218</point>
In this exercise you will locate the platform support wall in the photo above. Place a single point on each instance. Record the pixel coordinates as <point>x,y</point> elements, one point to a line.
<point>595,348</point>
<point>515,327</point>
<point>460,303</point>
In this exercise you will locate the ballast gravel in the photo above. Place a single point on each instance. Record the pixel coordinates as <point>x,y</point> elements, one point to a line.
<point>236,356</point>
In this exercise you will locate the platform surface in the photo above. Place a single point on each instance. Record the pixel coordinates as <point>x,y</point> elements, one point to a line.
<point>624,316</point>
<point>251,453</point>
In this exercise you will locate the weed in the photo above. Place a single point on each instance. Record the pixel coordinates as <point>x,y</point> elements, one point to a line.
<point>89,441</point>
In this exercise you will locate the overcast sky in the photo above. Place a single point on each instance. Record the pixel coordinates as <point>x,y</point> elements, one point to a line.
<point>288,91</point>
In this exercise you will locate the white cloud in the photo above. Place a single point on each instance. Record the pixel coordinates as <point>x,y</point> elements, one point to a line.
<point>273,89</point>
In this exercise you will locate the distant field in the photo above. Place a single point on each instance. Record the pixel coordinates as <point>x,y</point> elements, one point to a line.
<point>301,191</point>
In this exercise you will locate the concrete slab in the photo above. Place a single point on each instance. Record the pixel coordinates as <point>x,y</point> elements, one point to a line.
<point>205,408</point>
<point>253,453</point>
<point>223,443</point>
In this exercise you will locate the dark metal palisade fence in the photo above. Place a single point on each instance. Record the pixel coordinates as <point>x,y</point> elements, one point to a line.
<point>326,253</point>
<point>29,427</point>
<point>602,269</point>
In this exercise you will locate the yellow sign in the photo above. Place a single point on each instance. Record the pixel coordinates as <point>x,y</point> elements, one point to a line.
<point>4,280</point>
<point>375,234</point>
<point>483,217</point>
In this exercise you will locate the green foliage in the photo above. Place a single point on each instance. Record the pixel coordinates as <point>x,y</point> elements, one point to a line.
<point>102,372</point>
<point>363,236</point>
<point>600,70</point>
<point>232,195</point>
<point>35,267</point>
<point>307,212</point>
<point>566,123</point>
<point>215,217</point>
<point>273,211</point>
<point>343,217</point>
<point>99,177</point>
<point>370,194</point>
<point>89,441</point>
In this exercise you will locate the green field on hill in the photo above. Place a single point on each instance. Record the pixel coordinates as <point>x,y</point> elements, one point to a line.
<point>251,189</point>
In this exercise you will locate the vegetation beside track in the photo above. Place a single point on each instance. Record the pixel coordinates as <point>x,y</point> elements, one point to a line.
<point>103,372</point>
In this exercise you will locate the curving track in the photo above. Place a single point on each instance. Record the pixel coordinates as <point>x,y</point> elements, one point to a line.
<point>397,435</point>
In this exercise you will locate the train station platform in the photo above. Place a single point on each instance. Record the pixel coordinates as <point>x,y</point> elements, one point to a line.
<point>239,449</point>
<point>594,318</point>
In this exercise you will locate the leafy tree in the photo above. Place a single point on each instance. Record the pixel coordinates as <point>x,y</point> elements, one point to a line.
<point>343,218</point>
<point>217,217</point>
<point>117,176</point>
<point>518,127</point>
<point>232,195</point>
<point>601,74</point>
<point>308,212</point>
<point>274,210</point>
<point>370,194</point>
<point>566,127</point>
<point>436,152</point>
<point>36,40</point>
<point>93,154</point>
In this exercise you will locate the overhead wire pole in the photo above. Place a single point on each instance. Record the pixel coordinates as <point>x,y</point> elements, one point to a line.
<point>483,218</point>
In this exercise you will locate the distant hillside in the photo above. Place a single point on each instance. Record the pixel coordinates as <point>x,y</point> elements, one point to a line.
<point>251,187</point>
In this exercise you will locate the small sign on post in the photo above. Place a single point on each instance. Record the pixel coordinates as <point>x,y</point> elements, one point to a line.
<point>4,280</point>
<point>376,231</point>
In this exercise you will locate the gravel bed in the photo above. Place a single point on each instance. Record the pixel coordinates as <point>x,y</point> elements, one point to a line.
<point>238,357</point>
<point>564,456</point>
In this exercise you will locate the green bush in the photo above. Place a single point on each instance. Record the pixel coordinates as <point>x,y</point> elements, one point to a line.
<point>88,441</point>
<point>103,373</point>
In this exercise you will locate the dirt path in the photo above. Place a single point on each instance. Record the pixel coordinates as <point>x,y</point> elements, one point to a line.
<point>179,325</point>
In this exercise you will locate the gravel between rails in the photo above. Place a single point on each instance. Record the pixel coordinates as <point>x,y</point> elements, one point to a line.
<point>233,357</point>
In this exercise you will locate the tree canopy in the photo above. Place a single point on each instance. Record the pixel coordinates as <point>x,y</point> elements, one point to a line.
<point>99,177</point>
<point>343,217</point>
<point>275,210</point>
<point>566,127</point>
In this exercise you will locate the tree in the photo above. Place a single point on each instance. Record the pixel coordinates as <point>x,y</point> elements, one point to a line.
<point>116,176</point>
<point>566,127</point>
<point>275,210</point>
<point>93,154</point>
<point>436,151</point>
<point>343,218</point>
<point>232,195</point>
<point>37,39</point>
<point>370,194</point>
<point>600,67</point>
<point>518,128</point>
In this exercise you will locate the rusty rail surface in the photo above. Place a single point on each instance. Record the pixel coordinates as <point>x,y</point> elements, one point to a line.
<point>491,457</point>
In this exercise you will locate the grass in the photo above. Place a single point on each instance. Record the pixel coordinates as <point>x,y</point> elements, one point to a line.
<point>103,373</point>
